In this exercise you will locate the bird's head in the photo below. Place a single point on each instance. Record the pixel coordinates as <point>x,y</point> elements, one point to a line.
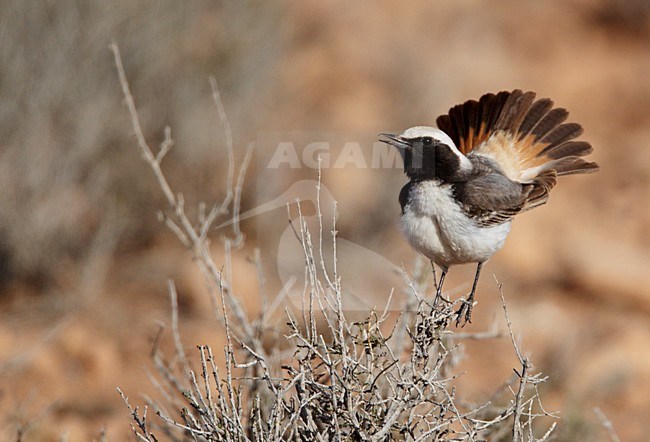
<point>429,153</point>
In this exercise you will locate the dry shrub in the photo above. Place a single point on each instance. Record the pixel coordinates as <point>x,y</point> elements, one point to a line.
<point>330,378</point>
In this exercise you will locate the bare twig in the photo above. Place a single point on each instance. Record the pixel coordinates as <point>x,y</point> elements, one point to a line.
<point>607,424</point>
<point>524,379</point>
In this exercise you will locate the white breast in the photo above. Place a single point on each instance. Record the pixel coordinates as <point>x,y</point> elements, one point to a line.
<point>436,226</point>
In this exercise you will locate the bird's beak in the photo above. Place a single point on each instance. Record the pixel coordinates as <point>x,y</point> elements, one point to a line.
<point>394,140</point>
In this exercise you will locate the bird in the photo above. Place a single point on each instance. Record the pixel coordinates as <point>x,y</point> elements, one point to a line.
<point>487,161</point>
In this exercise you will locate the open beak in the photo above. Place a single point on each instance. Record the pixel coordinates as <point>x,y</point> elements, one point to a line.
<point>394,140</point>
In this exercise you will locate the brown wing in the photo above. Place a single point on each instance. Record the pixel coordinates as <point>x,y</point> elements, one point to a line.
<point>527,138</point>
<point>491,198</point>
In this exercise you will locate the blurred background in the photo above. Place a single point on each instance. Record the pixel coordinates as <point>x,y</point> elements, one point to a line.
<point>84,261</point>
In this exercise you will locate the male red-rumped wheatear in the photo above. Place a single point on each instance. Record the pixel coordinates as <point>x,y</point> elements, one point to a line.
<point>488,161</point>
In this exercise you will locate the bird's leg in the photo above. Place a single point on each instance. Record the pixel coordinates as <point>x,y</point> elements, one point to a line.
<point>435,280</point>
<point>464,314</point>
<point>439,288</point>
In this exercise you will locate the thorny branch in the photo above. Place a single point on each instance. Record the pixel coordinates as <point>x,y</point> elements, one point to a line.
<point>193,237</point>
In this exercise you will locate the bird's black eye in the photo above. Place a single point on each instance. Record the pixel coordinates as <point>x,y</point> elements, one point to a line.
<point>427,141</point>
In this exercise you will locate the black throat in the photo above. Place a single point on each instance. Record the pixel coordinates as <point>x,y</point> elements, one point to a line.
<point>435,162</point>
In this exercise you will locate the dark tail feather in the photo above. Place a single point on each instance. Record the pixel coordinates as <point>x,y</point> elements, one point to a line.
<point>458,121</point>
<point>552,119</point>
<point>471,122</point>
<point>484,107</point>
<point>571,148</point>
<point>561,134</point>
<point>549,146</point>
<point>444,124</point>
<point>495,109</point>
<point>571,165</point>
<point>514,110</point>
<point>535,113</point>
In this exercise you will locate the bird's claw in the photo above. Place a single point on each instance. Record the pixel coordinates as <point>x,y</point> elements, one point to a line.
<point>464,313</point>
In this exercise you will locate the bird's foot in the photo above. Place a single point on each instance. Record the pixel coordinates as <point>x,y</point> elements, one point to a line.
<point>464,313</point>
